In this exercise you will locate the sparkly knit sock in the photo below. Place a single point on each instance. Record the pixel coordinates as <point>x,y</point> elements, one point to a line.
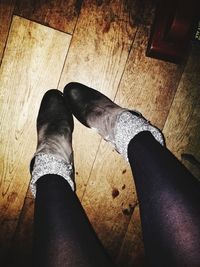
<point>51,164</point>
<point>128,125</point>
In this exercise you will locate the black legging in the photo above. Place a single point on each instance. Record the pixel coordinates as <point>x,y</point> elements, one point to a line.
<point>169,198</point>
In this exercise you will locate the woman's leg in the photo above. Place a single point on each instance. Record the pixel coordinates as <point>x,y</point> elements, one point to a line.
<point>169,198</point>
<point>63,235</point>
<point>169,195</point>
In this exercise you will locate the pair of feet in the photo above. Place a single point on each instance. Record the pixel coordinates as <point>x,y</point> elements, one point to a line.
<point>55,121</point>
<point>93,109</point>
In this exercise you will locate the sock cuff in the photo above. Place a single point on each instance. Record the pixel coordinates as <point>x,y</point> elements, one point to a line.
<point>50,164</point>
<point>127,126</point>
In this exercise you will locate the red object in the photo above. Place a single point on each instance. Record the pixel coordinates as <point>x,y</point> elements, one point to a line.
<point>172,29</point>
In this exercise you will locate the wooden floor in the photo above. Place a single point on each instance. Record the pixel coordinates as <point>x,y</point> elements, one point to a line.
<point>46,44</point>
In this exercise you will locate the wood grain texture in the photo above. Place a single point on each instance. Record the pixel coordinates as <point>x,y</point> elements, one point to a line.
<point>32,64</point>
<point>97,57</point>
<point>6,11</point>
<point>58,14</point>
<point>149,86</point>
<point>110,215</point>
<point>132,249</point>
<point>182,128</point>
<point>20,252</point>
<point>151,83</point>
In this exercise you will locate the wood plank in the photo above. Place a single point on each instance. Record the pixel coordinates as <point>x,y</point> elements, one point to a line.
<point>148,85</point>
<point>132,249</point>
<point>32,64</point>
<point>59,14</point>
<point>97,56</point>
<point>20,252</point>
<point>182,128</point>
<point>6,12</point>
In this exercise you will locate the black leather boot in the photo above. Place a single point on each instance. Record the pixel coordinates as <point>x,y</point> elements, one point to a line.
<point>54,131</point>
<point>55,126</point>
<point>92,108</point>
<point>115,124</point>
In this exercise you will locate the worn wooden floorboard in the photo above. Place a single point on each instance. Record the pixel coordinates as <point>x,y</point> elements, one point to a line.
<point>182,128</point>
<point>59,14</point>
<point>149,86</point>
<point>132,249</point>
<point>20,251</point>
<point>32,64</point>
<point>6,12</point>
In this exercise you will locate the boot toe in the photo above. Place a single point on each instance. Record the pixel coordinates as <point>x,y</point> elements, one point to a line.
<point>53,109</point>
<point>80,93</point>
<point>78,97</point>
<point>82,99</point>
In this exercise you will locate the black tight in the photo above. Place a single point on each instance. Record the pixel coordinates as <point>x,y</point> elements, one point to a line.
<point>63,235</point>
<point>169,199</point>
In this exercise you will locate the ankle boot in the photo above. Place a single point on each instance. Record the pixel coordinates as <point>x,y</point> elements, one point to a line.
<point>54,154</point>
<point>115,124</point>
